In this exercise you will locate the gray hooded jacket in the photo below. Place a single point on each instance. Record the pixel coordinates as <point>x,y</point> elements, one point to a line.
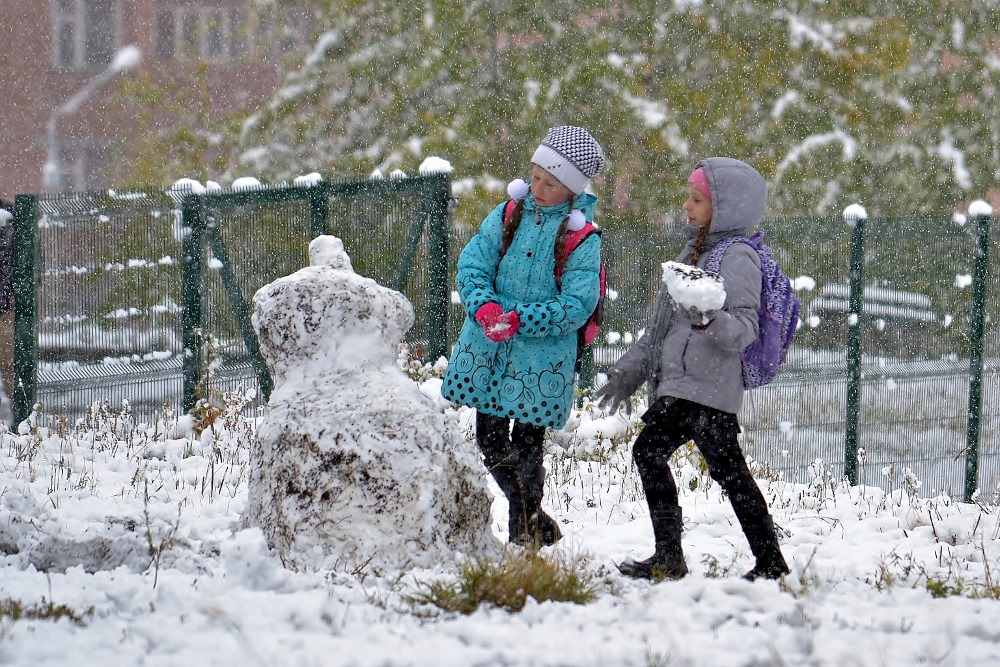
<point>703,365</point>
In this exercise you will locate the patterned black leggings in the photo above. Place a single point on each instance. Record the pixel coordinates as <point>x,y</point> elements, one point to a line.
<point>672,422</point>
<point>501,446</point>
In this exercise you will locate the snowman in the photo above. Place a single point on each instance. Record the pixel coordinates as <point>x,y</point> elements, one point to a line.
<point>352,466</point>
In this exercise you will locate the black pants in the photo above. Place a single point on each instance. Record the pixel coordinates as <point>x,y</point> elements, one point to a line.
<point>672,422</point>
<point>503,447</point>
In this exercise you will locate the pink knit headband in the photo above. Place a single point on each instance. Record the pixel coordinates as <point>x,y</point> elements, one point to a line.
<point>699,180</point>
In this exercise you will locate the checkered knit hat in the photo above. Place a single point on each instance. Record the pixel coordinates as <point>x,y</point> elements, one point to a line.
<point>571,155</point>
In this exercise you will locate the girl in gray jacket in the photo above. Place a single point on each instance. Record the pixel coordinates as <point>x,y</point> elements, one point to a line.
<point>690,360</point>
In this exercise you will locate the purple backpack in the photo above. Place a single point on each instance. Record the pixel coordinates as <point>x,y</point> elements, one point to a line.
<point>779,312</point>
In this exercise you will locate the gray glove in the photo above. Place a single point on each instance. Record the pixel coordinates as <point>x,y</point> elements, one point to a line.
<point>614,392</point>
<point>698,318</point>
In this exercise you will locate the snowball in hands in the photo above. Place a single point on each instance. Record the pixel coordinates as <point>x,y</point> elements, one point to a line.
<point>691,287</point>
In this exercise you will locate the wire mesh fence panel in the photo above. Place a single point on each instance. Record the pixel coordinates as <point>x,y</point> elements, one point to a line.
<point>108,293</point>
<point>914,367</point>
<point>633,259</point>
<point>914,410</point>
<point>253,240</point>
<point>914,333</point>
<point>456,316</point>
<point>385,231</point>
<point>110,288</point>
<point>385,227</point>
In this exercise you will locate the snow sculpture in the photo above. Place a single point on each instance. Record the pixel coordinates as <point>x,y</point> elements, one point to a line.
<point>352,465</point>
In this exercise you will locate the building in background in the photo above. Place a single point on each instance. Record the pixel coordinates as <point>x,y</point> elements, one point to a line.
<point>54,51</point>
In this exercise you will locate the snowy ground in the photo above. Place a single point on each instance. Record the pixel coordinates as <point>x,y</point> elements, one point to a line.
<point>136,531</point>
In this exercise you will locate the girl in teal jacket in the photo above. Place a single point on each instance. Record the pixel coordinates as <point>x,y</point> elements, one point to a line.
<point>516,355</point>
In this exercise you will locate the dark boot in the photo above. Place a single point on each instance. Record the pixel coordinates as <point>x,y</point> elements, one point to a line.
<point>763,539</point>
<point>510,484</point>
<point>535,528</point>
<point>667,562</point>
<point>651,454</point>
<point>503,462</point>
<point>529,525</point>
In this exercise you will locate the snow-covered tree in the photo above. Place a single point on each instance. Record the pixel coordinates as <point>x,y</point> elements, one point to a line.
<point>884,103</point>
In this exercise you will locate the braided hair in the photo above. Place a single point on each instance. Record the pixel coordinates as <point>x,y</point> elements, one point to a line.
<point>698,245</point>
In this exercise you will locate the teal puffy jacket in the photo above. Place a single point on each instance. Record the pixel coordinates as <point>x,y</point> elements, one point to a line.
<point>530,376</point>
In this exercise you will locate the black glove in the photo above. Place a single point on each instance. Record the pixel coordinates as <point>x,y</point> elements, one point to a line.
<point>613,393</point>
<point>698,318</point>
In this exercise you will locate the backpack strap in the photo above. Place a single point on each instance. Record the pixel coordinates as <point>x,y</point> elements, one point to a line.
<point>508,210</point>
<point>574,237</point>
<point>718,251</point>
<point>571,241</point>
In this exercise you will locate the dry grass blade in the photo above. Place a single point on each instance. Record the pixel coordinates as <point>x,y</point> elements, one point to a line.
<point>508,583</point>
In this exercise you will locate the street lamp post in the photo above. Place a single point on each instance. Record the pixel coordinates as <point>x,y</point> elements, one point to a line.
<point>127,58</point>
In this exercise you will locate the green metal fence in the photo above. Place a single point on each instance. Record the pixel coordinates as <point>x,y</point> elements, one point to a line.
<point>902,399</point>
<point>895,365</point>
<point>145,296</point>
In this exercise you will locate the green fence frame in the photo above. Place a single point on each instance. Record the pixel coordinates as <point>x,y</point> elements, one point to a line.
<point>862,255</point>
<point>25,306</point>
<point>854,352</point>
<point>431,215</point>
<point>202,216</point>
<point>977,336</point>
<point>976,349</point>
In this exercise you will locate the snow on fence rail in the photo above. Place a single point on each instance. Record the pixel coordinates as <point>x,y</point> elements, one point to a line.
<point>879,302</point>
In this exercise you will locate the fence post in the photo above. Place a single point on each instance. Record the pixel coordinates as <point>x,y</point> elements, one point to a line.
<point>24,384</point>
<point>319,210</point>
<point>586,373</point>
<point>241,311</point>
<point>856,217</point>
<point>982,212</point>
<point>193,296</point>
<point>438,253</point>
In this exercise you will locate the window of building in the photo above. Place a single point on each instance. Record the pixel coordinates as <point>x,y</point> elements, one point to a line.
<point>214,37</point>
<point>66,44</point>
<point>291,33</point>
<point>86,165</point>
<point>165,34</point>
<point>210,32</point>
<point>226,30</point>
<point>237,36</point>
<point>191,34</point>
<point>99,46</point>
<point>85,33</point>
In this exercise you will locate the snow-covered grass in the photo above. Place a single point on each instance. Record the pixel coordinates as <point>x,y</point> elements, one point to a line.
<point>120,543</point>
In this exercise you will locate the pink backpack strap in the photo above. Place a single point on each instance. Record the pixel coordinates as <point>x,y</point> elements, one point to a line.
<point>574,238</point>
<point>508,210</point>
